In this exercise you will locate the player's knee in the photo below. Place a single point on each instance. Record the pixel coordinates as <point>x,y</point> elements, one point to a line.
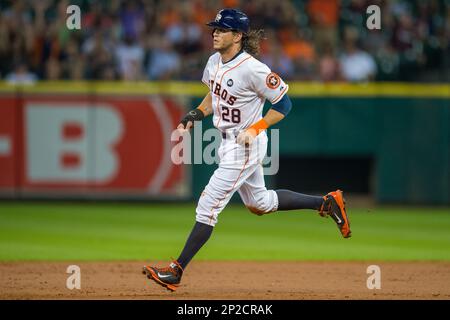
<point>206,217</point>
<point>256,211</point>
<point>260,206</point>
<point>204,212</point>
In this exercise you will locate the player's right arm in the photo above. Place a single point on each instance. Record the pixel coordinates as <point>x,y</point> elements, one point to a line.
<point>202,111</point>
<point>205,108</point>
<point>206,105</point>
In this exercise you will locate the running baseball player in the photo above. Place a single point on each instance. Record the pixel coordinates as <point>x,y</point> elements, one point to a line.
<point>239,85</point>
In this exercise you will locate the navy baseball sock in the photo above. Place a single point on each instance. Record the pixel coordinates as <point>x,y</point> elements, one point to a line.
<point>289,200</point>
<point>198,237</point>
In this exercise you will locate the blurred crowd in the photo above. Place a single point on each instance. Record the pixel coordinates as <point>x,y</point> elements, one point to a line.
<point>320,40</point>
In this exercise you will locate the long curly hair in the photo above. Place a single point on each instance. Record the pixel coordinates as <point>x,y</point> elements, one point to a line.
<point>251,41</point>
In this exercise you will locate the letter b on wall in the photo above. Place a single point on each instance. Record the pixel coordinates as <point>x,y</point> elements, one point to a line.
<point>66,144</point>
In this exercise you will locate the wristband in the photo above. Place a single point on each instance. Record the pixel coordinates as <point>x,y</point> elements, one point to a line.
<point>193,115</point>
<point>259,126</point>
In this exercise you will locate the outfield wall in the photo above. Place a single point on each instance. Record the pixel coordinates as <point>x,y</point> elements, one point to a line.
<point>111,140</point>
<point>77,143</point>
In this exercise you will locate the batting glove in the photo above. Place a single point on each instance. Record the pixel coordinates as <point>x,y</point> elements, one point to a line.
<point>188,121</point>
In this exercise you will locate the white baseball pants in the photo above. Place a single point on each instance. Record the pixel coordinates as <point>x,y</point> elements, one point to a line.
<point>240,169</point>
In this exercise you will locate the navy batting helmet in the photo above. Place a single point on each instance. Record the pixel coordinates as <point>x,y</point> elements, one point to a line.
<point>231,19</point>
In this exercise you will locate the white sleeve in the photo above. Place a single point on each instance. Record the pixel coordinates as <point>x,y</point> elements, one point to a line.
<point>267,83</point>
<point>205,78</point>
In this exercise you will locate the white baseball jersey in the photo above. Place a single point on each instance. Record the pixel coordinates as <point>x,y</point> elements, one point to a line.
<point>239,89</point>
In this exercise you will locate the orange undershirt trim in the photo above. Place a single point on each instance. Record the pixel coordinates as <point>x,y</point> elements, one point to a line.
<point>280,95</point>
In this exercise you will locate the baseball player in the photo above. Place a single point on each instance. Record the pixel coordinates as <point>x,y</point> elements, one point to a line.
<point>239,85</point>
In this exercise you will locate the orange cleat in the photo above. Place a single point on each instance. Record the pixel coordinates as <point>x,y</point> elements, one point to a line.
<point>169,277</point>
<point>334,206</point>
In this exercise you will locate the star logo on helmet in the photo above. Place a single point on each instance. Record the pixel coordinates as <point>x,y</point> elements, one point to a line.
<point>218,17</point>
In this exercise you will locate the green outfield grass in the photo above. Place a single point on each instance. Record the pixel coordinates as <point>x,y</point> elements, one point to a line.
<point>106,231</point>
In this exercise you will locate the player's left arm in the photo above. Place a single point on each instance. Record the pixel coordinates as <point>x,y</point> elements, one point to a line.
<point>275,114</point>
<point>278,111</point>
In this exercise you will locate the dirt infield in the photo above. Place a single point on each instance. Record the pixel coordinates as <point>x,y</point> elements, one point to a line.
<point>229,280</point>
